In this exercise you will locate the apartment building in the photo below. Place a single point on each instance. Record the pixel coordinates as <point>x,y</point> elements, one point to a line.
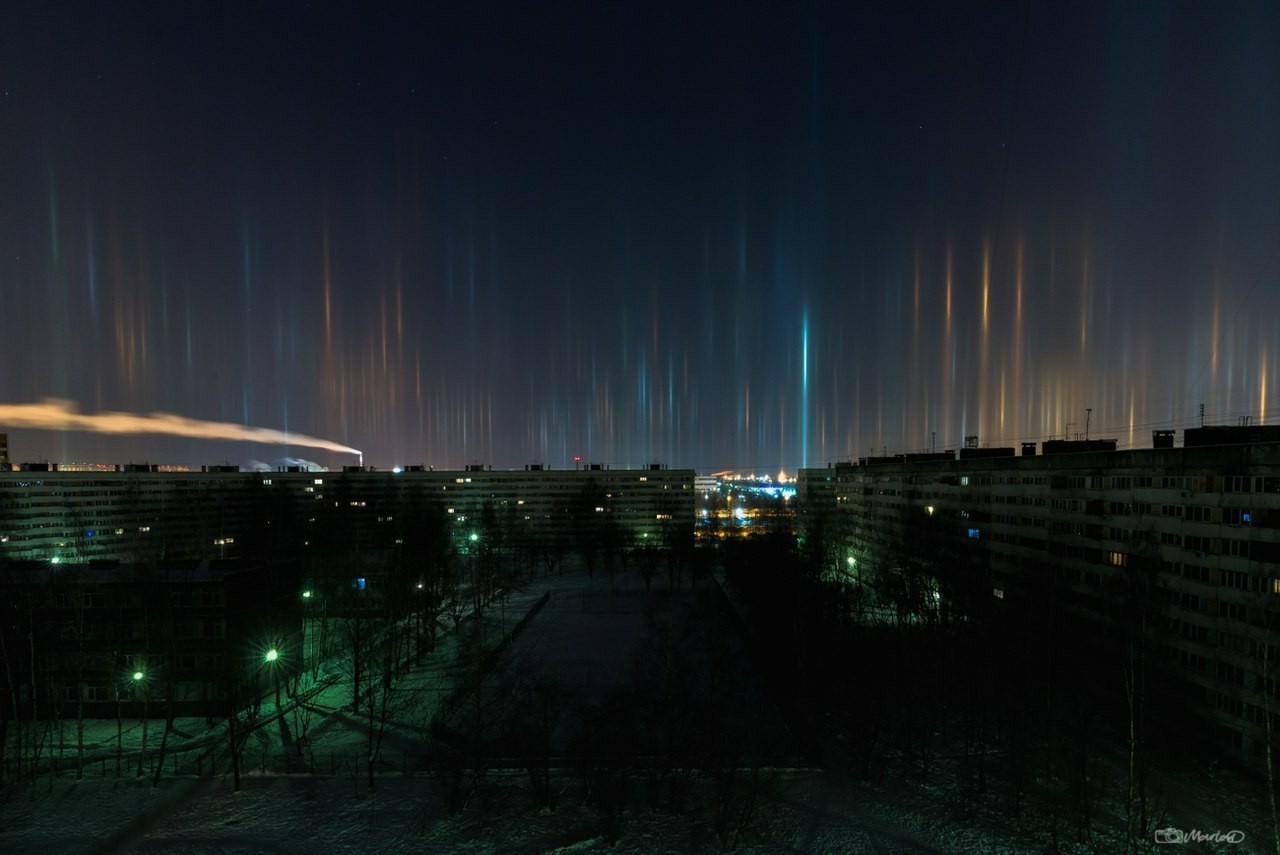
<point>140,513</point>
<point>103,640</point>
<point>1193,530</point>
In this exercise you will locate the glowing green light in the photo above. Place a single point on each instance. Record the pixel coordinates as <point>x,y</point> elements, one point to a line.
<point>55,560</point>
<point>137,675</point>
<point>474,537</point>
<point>306,595</point>
<point>273,655</point>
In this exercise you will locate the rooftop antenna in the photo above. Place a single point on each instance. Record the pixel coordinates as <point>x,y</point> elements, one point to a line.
<point>1088,417</point>
<point>1202,415</point>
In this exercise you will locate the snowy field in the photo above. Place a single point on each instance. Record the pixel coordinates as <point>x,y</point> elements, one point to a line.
<point>319,799</point>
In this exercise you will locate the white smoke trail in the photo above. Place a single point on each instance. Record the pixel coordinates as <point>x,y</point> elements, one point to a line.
<point>56,414</point>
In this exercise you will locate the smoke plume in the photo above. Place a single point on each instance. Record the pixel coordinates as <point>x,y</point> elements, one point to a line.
<point>55,414</point>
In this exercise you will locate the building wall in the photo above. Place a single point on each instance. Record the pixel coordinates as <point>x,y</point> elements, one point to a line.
<point>1199,526</point>
<point>191,630</point>
<point>144,515</point>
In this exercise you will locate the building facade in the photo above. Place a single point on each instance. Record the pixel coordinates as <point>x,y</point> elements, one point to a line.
<point>104,640</point>
<point>1189,536</point>
<point>142,514</point>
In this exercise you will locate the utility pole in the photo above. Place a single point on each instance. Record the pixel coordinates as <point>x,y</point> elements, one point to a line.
<point>1088,417</point>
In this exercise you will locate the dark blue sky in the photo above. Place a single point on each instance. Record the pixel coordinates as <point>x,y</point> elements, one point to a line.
<point>722,237</point>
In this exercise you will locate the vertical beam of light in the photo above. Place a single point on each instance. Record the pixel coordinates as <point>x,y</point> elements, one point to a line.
<point>1002,402</point>
<point>915,381</point>
<point>1084,303</point>
<point>327,284</point>
<point>1213,337</point>
<point>984,347</point>
<point>1133,406</point>
<point>1019,281</point>
<point>986,290</point>
<point>1262,388</point>
<point>948,378</point>
<point>804,390</point>
<point>247,375</point>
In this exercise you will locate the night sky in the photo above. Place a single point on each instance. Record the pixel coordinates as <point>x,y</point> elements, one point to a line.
<point>729,236</point>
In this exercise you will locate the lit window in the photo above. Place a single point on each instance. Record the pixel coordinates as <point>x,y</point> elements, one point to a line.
<point>975,533</point>
<point>998,593</point>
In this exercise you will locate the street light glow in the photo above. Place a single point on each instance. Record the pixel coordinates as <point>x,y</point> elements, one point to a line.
<point>474,537</point>
<point>137,675</point>
<point>306,595</point>
<point>273,655</point>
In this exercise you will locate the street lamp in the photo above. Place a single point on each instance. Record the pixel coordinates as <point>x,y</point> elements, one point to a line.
<point>271,656</point>
<point>302,666</point>
<point>476,593</point>
<point>417,623</point>
<point>139,685</point>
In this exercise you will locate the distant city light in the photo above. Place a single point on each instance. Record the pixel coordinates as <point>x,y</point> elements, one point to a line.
<point>272,656</point>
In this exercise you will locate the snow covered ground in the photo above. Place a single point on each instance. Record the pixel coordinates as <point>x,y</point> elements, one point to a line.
<point>321,801</point>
